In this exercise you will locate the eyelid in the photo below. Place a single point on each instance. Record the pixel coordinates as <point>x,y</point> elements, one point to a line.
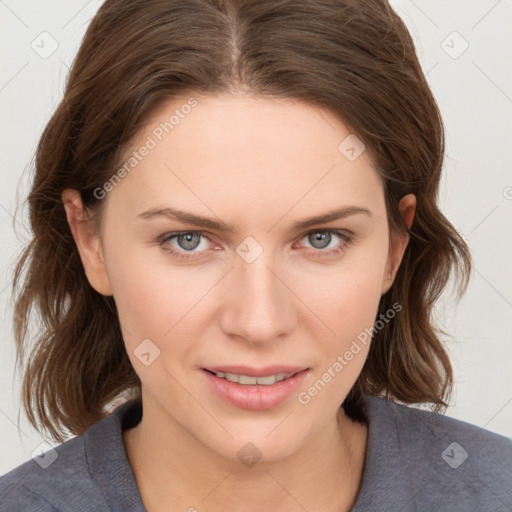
<point>345,235</point>
<point>337,231</point>
<point>177,253</point>
<point>173,234</point>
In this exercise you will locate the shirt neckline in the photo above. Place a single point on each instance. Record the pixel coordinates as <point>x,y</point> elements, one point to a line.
<point>384,462</point>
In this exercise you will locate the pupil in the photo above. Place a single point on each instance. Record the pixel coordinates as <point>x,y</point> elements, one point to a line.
<point>323,238</point>
<point>187,241</point>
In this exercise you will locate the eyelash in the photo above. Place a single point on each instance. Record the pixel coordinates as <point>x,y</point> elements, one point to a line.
<point>345,237</point>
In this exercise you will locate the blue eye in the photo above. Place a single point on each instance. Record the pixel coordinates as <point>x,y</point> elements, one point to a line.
<point>186,243</point>
<point>321,239</point>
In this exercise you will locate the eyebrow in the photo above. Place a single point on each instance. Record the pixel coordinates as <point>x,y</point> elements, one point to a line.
<point>219,225</point>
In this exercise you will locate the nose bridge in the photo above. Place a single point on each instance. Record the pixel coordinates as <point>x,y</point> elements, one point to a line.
<point>260,307</point>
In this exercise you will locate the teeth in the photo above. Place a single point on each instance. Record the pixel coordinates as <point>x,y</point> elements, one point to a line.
<point>251,381</point>
<point>231,377</point>
<point>265,381</point>
<point>244,379</point>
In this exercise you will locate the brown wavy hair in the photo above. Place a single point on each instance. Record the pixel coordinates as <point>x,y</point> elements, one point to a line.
<point>353,57</point>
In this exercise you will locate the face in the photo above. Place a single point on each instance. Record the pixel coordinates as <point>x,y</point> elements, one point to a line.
<point>232,322</point>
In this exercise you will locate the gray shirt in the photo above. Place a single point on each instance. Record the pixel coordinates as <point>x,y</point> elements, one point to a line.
<point>416,461</point>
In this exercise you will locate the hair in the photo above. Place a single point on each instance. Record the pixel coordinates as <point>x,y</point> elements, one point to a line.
<point>355,58</point>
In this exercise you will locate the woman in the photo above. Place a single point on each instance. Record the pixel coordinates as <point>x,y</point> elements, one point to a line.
<point>237,249</point>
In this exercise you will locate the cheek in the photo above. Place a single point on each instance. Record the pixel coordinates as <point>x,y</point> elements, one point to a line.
<point>345,296</point>
<point>154,298</point>
<point>348,307</point>
<point>346,300</point>
<point>153,295</point>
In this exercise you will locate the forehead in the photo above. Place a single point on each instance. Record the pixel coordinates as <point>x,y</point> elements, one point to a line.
<point>242,150</point>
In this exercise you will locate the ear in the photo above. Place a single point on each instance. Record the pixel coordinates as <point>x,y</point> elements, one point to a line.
<point>87,241</point>
<point>399,241</point>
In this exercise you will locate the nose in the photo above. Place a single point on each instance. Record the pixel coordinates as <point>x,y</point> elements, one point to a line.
<point>259,306</point>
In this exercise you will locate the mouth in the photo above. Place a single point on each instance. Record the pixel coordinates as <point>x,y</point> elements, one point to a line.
<point>253,389</point>
<point>250,380</point>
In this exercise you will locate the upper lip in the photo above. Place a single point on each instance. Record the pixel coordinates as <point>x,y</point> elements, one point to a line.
<point>256,372</point>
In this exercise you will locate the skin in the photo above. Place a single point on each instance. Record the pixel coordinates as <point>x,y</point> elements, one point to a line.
<point>260,165</point>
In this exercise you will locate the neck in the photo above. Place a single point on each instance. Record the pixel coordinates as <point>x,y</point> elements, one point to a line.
<point>174,471</point>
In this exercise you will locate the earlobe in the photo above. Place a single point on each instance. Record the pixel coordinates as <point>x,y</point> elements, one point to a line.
<point>87,242</point>
<point>399,241</point>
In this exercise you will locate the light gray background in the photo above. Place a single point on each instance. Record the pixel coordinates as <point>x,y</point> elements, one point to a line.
<point>474,91</point>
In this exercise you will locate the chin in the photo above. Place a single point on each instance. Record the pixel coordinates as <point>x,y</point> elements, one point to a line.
<point>260,441</point>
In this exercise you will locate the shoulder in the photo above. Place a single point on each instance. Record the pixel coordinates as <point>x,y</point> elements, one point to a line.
<point>467,466</point>
<point>420,428</point>
<point>38,483</point>
<point>72,476</point>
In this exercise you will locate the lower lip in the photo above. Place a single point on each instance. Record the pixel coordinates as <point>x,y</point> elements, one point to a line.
<point>255,397</point>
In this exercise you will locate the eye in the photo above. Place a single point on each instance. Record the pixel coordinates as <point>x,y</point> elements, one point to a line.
<point>327,241</point>
<point>189,244</point>
<point>186,243</point>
